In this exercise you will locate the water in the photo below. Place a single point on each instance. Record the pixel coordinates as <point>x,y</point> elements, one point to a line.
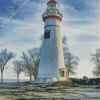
<point>14,80</point>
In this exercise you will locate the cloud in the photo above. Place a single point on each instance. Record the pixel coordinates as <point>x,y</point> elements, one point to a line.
<point>87,38</point>
<point>77,4</point>
<point>82,10</point>
<point>79,22</point>
<point>26,10</point>
<point>1,33</point>
<point>7,7</point>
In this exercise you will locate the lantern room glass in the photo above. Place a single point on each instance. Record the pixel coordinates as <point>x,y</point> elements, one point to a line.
<point>52,6</point>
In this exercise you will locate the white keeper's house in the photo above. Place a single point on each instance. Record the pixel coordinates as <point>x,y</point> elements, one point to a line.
<point>51,67</point>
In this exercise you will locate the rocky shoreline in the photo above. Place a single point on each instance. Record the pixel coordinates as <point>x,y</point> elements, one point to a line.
<point>57,91</point>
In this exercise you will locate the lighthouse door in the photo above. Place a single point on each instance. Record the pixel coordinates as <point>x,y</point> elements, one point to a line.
<point>62,73</point>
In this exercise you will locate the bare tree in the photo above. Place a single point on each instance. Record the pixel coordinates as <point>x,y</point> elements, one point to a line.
<point>71,63</point>
<point>27,65</point>
<point>17,68</point>
<point>96,60</point>
<point>41,38</point>
<point>96,72</point>
<point>64,40</point>
<point>35,55</point>
<point>28,70</point>
<point>4,58</point>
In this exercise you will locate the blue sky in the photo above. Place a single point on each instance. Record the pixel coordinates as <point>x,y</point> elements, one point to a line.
<point>21,26</point>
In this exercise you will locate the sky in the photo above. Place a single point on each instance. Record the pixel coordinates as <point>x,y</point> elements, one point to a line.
<point>21,26</point>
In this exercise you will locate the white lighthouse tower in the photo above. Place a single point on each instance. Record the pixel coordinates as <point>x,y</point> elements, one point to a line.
<point>51,66</point>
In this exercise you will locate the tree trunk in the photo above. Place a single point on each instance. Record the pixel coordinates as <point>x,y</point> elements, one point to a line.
<point>68,75</point>
<point>17,78</point>
<point>1,76</point>
<point>30,77</point>
<point>35,76</point>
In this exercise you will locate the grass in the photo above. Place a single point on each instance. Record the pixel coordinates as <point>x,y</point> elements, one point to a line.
<point>83,86</point>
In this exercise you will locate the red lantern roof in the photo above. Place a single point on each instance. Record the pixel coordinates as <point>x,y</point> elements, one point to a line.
<point>52,1</point>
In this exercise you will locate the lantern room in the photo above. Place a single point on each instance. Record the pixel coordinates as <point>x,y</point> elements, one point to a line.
<point>52,4</point>
<point>52,11</point>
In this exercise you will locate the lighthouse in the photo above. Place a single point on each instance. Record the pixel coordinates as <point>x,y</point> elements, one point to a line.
<point>51,67</point>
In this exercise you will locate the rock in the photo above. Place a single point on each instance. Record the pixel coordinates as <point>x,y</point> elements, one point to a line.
<point>97,87</point>
<point>53,91</point>
<point>24,97</point>
<point>30,94</point>
<point>22,88</point>
<point>58,99</point>
<point>30,89</point>
<point>10,97</point>
<point>70,98</point>
<point>75,85</point>
<point>34,85</point>
<point>19,91</point>
<point>9,87</point>
<point>39,85</point>
<point>40,89</point>
<point>52,88</point>
<point>44,85</point>
<point>62,83</point>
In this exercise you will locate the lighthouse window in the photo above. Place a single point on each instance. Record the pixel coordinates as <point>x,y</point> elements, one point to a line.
<point>47,34</point>
<point>51,6</point>
<point>54,6</point>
